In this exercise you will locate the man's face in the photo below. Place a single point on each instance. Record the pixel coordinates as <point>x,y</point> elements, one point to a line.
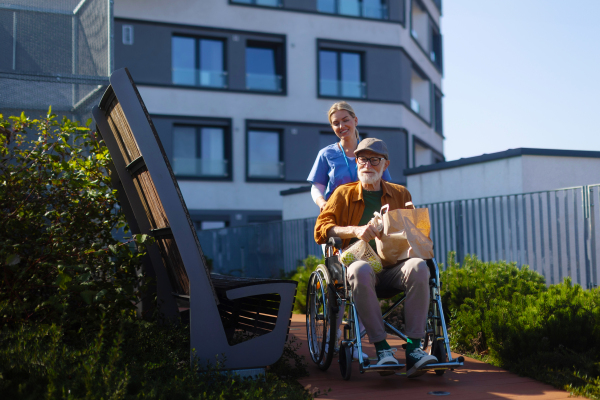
<point>367,173</point>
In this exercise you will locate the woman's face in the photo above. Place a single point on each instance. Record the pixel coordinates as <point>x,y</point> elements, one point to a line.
<point>343,124</point>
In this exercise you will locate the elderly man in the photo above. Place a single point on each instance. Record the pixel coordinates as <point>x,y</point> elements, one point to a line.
<point>347,215</point>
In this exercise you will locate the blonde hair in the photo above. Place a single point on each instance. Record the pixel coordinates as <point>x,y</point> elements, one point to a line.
<point>339,106</point>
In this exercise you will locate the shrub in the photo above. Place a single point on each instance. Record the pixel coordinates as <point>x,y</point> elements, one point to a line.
<point>67,304</point>
<point>302,275</point>
<point>550,334</point>
<point>60,262</point>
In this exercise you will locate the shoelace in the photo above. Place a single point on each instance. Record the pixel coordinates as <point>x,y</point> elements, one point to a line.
<point>386,353</point>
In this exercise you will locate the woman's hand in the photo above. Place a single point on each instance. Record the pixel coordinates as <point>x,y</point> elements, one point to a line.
<point>321,202</point>
<point>366,232</point>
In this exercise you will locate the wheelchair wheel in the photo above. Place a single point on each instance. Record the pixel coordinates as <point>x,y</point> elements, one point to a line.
<point>346,361</point>
<point>320,319</point>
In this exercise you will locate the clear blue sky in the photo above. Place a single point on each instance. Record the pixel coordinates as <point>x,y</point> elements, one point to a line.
<point>520,73</point>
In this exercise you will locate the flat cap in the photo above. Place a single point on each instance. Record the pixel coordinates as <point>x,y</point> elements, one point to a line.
<point>375,145</point>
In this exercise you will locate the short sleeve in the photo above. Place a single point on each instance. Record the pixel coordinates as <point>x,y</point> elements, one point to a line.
<point>319,171</point>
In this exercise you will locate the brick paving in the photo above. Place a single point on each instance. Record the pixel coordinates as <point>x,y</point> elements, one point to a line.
<point>474,381</point>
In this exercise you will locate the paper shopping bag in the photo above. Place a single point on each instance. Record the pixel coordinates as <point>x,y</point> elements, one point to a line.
<point>405,235</point>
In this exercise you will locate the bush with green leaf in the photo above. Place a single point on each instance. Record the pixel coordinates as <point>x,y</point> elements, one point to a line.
<point>302,275</point>
<point>60,262</point>
<point>510,316</point>
<point>68,327</point>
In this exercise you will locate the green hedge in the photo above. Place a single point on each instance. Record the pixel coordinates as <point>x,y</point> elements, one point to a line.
<point>68,326</point>
<point>509,315</point>
<point>302,275</point>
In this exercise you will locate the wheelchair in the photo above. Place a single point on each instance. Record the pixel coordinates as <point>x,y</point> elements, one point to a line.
<point>329,294</point>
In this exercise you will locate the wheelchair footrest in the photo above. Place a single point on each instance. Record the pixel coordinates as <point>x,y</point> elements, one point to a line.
<point>377,368</point>
<point>457,362</point>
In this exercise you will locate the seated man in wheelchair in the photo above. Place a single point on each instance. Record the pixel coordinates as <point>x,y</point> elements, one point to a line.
<point>347,215</point>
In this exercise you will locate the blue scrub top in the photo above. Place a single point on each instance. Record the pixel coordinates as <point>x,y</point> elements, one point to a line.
<point>330,169</point>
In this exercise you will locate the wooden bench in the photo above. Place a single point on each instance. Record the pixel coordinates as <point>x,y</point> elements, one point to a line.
<point>152,202</point>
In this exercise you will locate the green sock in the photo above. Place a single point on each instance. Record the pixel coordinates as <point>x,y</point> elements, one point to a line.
<point>383,345</point>
<point>412,344</point>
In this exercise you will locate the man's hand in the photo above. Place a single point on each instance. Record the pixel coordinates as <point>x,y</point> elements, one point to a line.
<point>366,232</point>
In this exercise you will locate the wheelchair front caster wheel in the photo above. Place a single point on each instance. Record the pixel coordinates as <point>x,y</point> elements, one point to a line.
<point>346,361</point>
<point>439,351</point>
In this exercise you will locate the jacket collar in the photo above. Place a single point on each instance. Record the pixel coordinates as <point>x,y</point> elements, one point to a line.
<point>358,192</point>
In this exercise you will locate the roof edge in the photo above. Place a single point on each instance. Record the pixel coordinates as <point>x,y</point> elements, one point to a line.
<point>522,151</point>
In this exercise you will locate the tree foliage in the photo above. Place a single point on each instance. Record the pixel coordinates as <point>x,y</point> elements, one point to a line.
<point>60,261</point>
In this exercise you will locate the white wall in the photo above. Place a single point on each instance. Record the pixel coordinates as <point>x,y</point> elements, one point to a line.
<point>513,175</point>
<point>299,205</point>
<point>544,173</point>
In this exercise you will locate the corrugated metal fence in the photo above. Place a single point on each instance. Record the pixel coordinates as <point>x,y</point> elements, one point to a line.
<point>552,231</point>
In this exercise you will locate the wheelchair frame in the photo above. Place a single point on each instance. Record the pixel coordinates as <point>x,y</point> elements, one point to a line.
<point>328,294</point>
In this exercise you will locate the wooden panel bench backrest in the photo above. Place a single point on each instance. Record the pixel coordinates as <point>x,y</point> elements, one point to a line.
<point>155,215</point>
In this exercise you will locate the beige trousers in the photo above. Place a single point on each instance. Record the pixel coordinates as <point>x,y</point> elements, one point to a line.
<point>410,276</point>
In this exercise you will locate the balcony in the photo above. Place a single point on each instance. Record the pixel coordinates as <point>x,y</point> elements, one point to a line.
<point>196,77</point>
<point>330,87</point>
<point>263,82</point>
<point>266,170</point>
<point>355,8</point>
<point>198,167</point>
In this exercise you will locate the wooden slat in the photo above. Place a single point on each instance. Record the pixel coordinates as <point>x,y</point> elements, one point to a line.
<point>124,135</point>
<point>152,204</point>
<point>180,282</point>
<point>249,314</point>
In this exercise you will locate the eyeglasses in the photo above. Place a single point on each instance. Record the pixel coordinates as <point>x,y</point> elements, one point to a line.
<point>373,160</point>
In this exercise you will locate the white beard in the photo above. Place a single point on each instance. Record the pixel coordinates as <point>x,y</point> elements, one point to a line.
<point>369,179</point>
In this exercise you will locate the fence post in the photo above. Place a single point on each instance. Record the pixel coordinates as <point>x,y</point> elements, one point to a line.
<point>458,220</point>
<point>587,226</point>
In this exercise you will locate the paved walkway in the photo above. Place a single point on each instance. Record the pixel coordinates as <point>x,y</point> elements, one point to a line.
<point>475,380</point>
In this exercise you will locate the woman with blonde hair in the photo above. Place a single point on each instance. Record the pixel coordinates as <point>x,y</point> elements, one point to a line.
<point>335,164</point>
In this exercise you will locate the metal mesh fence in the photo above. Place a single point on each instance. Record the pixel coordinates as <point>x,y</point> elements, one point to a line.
<point>554,232</point>
<point>55,53</point>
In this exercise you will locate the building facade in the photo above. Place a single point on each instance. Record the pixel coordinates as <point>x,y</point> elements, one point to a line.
<point>239,90</point>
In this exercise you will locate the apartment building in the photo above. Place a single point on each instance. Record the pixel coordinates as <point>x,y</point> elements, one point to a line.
<point>239,90</point>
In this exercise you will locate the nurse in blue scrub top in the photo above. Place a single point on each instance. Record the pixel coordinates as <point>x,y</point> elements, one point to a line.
<point>335,164</point>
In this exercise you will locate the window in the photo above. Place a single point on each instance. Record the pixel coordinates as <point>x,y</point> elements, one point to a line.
<point>198,62</point>
<point>425,33</point>
<point>199,152</point>
<point>340,74</point>
<point>268,3</point>
<point>376,9</point>
<point>263,68</point>
<point>264,155</point>
<point>435,49</point>
<point>420,95</point>
<point>437,112</point>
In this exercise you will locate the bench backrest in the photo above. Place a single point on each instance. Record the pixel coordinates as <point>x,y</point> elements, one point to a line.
<point>153,194</point>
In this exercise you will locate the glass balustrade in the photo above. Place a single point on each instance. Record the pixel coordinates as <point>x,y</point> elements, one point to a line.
<point>189,166</point>
<point>264,82</point>
<point>266,169</point>
<point>330,87</point>
<point>195,77</point>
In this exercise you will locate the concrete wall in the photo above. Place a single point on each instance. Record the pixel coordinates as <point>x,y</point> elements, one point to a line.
<point>299,205</point>
<point>512,175</point>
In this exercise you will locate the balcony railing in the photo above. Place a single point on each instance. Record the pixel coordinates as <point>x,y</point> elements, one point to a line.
<point>268,170</point>
<point>330,87</point>
<point>200,167</point>
<point>263,82</point>
<point>354,8</point>
<point>197,77</point>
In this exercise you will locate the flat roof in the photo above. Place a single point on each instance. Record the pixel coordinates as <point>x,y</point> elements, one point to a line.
<point>523,151</point>
<point>301,189</point>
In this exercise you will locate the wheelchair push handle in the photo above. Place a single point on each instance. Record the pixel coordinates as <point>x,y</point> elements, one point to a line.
<point>332,243</point>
